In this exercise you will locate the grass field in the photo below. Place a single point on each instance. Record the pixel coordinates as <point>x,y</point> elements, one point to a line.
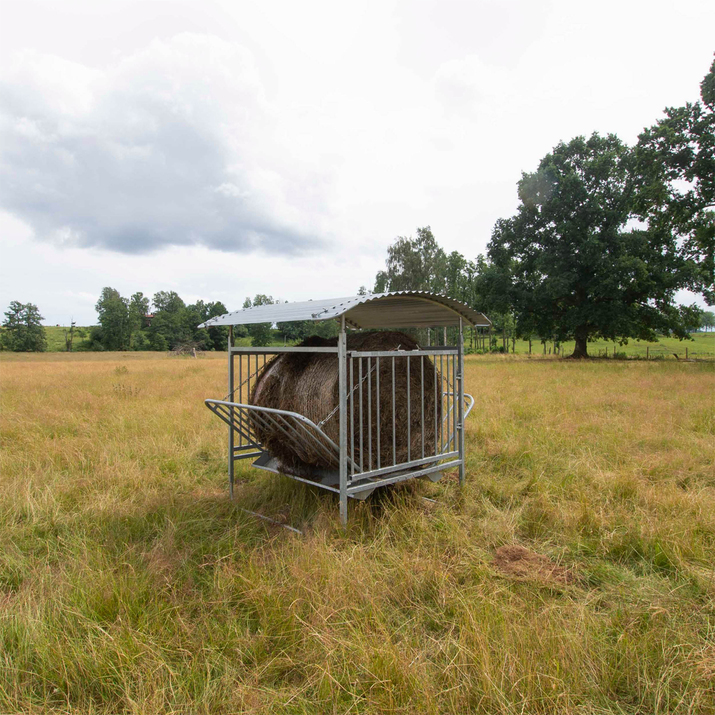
<point>701,345</point>
<point>129,583</point>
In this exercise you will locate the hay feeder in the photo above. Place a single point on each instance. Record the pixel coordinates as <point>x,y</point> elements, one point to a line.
<point>356,413</point>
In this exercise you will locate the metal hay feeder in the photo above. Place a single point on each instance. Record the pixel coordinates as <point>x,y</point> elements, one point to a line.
<point>354,477</point>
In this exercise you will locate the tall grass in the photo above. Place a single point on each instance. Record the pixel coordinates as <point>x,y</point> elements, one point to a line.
<point>130,583</point>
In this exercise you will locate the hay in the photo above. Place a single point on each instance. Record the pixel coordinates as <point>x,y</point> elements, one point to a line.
<point>307,383</point>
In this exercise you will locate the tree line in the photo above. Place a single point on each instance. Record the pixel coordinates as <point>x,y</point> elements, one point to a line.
<point>604,236</point>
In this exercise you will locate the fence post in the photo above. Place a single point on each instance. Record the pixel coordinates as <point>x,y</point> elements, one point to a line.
<point>686,353</point>
<point>343,428</point>
<point>231,465</point>
<point>647,352</point>
<point>460,405</point>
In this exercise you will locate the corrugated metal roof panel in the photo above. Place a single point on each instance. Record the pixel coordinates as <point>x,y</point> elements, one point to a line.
<point>403,309</point>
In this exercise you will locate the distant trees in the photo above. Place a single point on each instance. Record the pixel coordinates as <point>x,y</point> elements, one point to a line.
<point>421,264</point>
<point>413,264</point>
<point>707,320</point>
<point>22,329</point>
<point>129,324</point>
<point>260,333</point>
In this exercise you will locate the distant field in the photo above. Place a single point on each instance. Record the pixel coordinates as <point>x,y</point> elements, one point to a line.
<point>702,345</point>
<point>56,337</point>
<point>129,583</point>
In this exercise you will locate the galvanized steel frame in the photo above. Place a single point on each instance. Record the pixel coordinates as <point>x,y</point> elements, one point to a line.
<point>353,479</point>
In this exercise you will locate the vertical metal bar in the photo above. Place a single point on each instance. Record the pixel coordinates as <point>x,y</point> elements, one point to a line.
<point>377,400</point>
<point>445,335</point>
<point>362,444</point>
<point>441,402</point>
<point>394,440</point>
<point>422,400</point>
<point>369,416</point>
<point>241,400</point>
<point>230,427</point>
<point>342,389</point>
<point>460,408</point>
<point>409,414</point>
<point>436,444</point>
<point>351,391</point>
<point>454,400</point>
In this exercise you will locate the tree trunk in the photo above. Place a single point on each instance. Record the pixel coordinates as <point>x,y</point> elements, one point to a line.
<point>581,348</point>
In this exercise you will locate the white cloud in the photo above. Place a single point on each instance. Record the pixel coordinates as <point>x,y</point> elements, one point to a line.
<point>174,144</point>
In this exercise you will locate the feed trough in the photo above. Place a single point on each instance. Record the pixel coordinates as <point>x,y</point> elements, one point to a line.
<point>351,414</point>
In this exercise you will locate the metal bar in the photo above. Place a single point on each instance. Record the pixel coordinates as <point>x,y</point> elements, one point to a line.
<point>273,521</point>
<point>377,399</point>
<point>369,415</point>
<point>342,389</point>
<point>399,353</point>
<point>455,408</point>
<point>422,400</point>
<point>408,465</point>
<point>362,443</point>
<point>299,433</point>
<point>302,479</point>
<point>436,444</point>
<point>401,477</point>
<point>268,415</point>
<point>441,403</point>
<point>249,455</point>
<point>276,350</point>
<point>240,392</point>
<point>394,439</point>
<point>243,449</point>
<point>230,427</point>
<point>352,421</point>
<point>409,413</point>
<point>224,413</point>
<point>460,407</point>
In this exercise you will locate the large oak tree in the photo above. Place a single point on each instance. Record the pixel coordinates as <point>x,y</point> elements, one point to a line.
<point>574,263</point>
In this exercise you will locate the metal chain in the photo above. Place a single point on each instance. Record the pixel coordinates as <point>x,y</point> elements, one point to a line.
<point>350,394</point>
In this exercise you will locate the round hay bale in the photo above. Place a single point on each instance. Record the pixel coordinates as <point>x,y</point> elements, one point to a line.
<point>307,383</point>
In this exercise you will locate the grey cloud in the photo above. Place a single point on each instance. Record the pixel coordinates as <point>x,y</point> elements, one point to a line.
<point>170,146</point>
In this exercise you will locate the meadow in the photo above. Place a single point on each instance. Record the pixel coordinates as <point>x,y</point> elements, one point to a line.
<point>575,572</point>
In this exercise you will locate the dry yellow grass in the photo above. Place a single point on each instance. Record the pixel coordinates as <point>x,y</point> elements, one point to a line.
<point>130,583</point>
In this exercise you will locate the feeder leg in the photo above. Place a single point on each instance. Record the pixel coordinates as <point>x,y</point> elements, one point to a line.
<point>231,463</point>
<point>460,405</point>
<point>342,390</point>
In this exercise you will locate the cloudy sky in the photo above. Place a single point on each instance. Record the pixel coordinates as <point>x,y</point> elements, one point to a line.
<point>224,148</point>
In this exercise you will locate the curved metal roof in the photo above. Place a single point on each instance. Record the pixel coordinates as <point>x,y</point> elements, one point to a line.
<point>403,309</point>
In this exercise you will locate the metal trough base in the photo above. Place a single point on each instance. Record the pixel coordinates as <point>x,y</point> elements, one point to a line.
<point>330,478</point>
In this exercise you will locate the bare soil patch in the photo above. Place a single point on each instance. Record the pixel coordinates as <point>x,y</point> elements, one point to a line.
<point>518,561</point>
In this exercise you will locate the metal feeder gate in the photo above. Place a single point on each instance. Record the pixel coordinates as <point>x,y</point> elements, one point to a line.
<point>355,477</point>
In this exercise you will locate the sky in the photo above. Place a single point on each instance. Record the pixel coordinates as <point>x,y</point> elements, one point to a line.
<point>225,148</point>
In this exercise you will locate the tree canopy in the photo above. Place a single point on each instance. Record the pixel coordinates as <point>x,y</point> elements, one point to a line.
<point>675,174</point>
<point>22,328</point>
<point>573,266</point>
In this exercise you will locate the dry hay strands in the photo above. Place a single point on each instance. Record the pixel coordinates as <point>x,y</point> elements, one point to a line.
<point>307,383</point>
